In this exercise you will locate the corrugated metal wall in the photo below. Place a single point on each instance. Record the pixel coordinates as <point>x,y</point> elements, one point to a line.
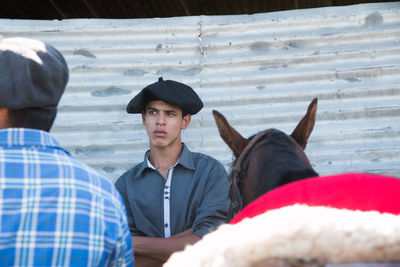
<point>260,71</point>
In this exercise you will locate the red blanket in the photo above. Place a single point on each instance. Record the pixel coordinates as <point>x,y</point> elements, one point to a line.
<point>353,191</point>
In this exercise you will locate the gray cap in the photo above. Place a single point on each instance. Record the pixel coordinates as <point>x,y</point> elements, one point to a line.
<point>32,74</point>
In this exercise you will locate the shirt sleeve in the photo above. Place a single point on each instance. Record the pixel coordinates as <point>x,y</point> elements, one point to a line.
<point>214,206</point>
<point>124,255</point>
<point>121,186</point>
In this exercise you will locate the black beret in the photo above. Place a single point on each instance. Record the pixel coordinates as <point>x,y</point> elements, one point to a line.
<point>32,74</point>
<point>171,92</point>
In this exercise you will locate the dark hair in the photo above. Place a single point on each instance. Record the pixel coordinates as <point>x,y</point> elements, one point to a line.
<point>184,113</point>
<point>35,118</point>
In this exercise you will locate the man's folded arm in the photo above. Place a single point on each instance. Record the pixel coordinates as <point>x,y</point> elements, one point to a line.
<point>162,248</point>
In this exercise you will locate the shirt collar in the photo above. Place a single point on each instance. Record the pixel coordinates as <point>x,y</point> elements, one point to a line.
<point>27,137</point>
<point>185,159</point>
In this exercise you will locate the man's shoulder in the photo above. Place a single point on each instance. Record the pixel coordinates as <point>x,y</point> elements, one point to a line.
<point>199,156</point>
<point>88,183</point>
<point>201,159</point>
<point>91,176</point>
<point>132,172</point>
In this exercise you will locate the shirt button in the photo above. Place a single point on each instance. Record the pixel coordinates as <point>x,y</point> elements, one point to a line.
<point>166,225</point>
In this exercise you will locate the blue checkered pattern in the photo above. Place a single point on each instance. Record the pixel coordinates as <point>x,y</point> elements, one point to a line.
<point>55,210</point>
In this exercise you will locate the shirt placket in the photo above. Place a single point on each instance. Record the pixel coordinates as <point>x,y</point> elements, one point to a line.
<point>167,211</point>
<point>166,198</point>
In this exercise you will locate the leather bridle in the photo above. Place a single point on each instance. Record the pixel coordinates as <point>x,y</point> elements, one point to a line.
<point>237,168</point>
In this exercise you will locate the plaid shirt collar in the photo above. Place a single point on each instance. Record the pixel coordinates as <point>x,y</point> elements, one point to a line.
<point>10,137</point>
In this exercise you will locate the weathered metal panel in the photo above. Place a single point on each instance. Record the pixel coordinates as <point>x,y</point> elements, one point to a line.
<point>260,71</point>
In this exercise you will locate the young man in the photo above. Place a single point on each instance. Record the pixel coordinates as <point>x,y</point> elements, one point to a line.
<point>174,197</point>
<point>54,210</point>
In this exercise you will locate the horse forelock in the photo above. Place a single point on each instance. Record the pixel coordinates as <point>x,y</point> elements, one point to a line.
<point>276,160</point>
<point>278,151</point>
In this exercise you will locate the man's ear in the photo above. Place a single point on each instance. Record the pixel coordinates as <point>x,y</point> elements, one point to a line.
<point>4,118</point>
<point>143,118</point>
<point>186,121</point>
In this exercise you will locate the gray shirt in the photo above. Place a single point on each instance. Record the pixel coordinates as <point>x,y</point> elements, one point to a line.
<point>198,196</point>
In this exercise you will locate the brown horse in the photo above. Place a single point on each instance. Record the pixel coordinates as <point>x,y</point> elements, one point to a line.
<point>304,223</point>
<point>268,159</point>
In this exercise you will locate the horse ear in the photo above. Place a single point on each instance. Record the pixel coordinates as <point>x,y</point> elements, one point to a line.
<point>306,125</point>
<point>232,138</point>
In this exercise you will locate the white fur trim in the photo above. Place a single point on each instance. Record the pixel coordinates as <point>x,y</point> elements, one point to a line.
<point>313,234</point>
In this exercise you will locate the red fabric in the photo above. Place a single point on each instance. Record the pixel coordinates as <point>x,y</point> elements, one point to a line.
<point>354,191</point>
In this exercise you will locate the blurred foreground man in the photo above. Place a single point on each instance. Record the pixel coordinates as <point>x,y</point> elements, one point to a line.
<point>54,210</point>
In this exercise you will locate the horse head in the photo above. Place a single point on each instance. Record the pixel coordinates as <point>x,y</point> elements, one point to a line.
<point>268,159</point>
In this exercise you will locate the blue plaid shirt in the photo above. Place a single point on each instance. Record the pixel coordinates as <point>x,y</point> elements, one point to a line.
<point>55,210</point>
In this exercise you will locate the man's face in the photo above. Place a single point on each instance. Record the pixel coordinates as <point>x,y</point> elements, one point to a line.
<point>164,123</point>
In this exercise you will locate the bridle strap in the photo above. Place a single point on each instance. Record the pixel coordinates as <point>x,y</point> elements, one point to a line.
<point>243,154</point>
<point>245,151</point>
